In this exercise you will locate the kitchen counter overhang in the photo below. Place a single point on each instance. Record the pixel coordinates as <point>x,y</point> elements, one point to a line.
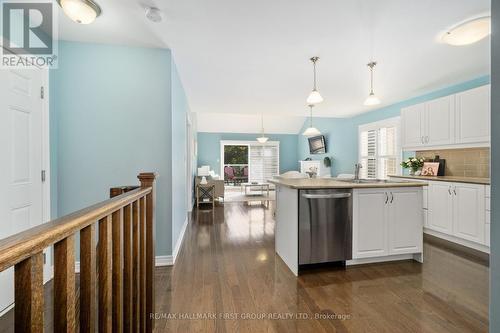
<point>331,183</point>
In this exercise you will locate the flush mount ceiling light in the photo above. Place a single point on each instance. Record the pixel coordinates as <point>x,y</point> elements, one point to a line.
<point>468,32</point>
<point>262,138</point>
<point>371,99</point>
<point>153,14</point>
<point>311,131</point>
<point>80,11</point>
<point>314,96</point>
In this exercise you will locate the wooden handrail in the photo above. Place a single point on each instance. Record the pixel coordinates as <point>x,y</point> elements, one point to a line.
<point>22,245</point>
<point>118,269</point>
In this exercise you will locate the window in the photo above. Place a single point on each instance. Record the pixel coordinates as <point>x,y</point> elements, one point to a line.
<point>249,161</point>
<point>379,149</point>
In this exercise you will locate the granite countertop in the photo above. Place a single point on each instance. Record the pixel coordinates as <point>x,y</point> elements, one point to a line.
<point>326,183</point>
<point>470,180</point>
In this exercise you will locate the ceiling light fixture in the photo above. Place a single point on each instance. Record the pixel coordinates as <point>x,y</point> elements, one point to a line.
<point>153,14</point>
<point>371,99</point>
<point>80,11</point>
<point>314,96</point>
<point>311,131</point>
<point>468,32</point>
<point>262,138</point>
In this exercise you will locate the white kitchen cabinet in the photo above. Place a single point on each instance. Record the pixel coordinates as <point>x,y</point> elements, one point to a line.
<point>459,120</point>
<point>369,230</point>
<point>412,125</point>
<point>473,114</point>
<point>405,221</point>
<point>387,221</point>
<point>469,212</point>
<point>439,125</point>
<point>440,207</point>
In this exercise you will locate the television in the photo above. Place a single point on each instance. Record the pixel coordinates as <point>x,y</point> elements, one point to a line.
<point>317,145</point>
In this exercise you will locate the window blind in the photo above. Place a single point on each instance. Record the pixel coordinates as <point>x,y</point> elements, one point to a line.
<point>264,162</point>
<point>378,151</point>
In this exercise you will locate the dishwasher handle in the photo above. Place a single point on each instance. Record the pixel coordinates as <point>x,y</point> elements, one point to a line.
<point>327,196</point>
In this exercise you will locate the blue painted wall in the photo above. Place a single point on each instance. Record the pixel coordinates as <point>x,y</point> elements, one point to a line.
<point>209,148</point>
<point>495,171</point>
<point>180,109</point>
<point>111,119</point>
<point>342,133</point>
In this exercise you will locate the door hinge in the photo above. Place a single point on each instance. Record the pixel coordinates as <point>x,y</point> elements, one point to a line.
<point>42,92</point>
<point>43,175</point>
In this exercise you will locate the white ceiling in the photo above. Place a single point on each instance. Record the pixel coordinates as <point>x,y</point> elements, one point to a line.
<point>251,57</point>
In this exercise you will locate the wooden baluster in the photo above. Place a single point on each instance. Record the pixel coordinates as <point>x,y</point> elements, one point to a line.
<point>135,266</point>
<point>105,288</point>
<point>88,279</point>
<point>117,271</point>
<point>28,312</point>
<point>64,285</point>
<point>142,275</point>
<point>148,180</point>
<point>127,269</point>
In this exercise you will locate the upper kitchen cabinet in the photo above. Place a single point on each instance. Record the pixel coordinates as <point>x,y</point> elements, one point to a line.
<point>440,121</point>
<point>460,120</point>
<point>412,121</point>
<point>473,115</point>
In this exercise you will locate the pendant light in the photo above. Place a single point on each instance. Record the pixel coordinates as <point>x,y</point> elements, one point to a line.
<point>371,99</point>
<point>80,11</point>
<point>262,138</point>
<point>311,131</point>
<point>314,96</point>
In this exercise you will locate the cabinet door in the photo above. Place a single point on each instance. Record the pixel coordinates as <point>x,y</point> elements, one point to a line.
<point>440,207</point>
<point>412,119</point>
<point>469,212</point>
<point>473,115</point>
<point>369,227</point>
<point>405,221</point>
<point>440,121</point>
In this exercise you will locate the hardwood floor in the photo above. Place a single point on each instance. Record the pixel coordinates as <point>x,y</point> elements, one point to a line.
<point>227,268</point>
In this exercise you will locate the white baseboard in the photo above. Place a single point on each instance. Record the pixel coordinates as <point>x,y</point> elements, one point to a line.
<point>180,239</point>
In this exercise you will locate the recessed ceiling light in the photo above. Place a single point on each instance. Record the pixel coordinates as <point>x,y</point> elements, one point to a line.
<point>468,32</point>
<point>153,14</point>
<point>80,11</point>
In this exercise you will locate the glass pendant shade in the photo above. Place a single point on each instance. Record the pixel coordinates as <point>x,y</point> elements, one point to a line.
<point>80,11</point>
<point>372,100</point>
<point>262,139</point>
<point>314,98</point>
<point>311,131</point>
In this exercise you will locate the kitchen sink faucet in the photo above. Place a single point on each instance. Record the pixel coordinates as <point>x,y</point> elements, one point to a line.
<point>357,166</point>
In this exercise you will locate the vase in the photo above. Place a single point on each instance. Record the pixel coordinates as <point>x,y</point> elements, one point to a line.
<point>412,172</point>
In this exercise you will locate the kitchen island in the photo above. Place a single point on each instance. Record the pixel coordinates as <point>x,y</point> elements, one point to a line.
<point>325,220</point>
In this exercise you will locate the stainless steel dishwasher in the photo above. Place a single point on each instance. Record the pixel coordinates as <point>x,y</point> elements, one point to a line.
<point>325,225</point>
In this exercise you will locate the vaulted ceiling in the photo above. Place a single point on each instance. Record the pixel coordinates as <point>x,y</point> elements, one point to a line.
<point>251,57</point>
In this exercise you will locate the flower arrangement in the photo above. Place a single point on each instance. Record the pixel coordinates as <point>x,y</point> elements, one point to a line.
<point>413,164</point>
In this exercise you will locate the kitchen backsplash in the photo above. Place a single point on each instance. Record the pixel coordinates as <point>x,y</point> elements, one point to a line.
<point>470,162</point>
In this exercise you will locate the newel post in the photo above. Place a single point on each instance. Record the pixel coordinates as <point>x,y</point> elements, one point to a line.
<point>147,179</point>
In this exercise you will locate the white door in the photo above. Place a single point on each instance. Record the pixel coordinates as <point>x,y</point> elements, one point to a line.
<point>473,115</point>
<point>440,207</point>
<point>412,122</point>
<point>405,221</point>
<point>369,227</point>
<point>469,212</point>
<point>440,121</point>
<point>21,139</point>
